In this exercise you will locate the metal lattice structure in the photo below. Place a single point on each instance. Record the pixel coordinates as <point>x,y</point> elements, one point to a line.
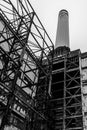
<point>26,53</point>
<point>66,103</point>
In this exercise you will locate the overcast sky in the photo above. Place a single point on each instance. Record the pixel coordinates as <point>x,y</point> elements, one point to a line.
<point>48,10</point>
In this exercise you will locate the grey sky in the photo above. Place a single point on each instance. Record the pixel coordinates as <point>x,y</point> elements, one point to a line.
<point>48,10</point>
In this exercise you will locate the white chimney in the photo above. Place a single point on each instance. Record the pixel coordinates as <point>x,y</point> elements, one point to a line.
<point>62,35</point>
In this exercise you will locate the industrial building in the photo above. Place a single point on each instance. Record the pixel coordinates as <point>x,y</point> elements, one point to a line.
<point>42,86</point>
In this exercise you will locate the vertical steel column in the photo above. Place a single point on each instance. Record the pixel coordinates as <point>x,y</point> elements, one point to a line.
<point>64,107</point>
<point>80,68</point>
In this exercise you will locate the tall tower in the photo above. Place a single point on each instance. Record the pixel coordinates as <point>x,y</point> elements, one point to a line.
<point>62,36</point>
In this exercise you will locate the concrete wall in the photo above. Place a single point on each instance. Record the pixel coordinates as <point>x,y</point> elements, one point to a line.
<point>84,91</point>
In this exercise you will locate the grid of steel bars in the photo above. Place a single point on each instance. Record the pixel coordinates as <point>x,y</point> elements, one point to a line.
<point>24,46</point>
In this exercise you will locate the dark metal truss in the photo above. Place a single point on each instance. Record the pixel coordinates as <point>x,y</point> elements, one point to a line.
<point>65,106</point>
<point>26,52</point>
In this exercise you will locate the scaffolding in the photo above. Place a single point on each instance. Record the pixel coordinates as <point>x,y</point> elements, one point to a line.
<point>66,102</point>
<point>26,53</point>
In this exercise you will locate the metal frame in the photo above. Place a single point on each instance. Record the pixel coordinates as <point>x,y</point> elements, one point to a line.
<point>66,102</point>
<point>24,48</point>
<point>73,92</point>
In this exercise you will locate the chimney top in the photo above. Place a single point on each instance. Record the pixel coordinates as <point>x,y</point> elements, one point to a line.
<point>63,12</point>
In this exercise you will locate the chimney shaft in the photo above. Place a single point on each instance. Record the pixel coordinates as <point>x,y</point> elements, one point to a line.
<point>62,36</point>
